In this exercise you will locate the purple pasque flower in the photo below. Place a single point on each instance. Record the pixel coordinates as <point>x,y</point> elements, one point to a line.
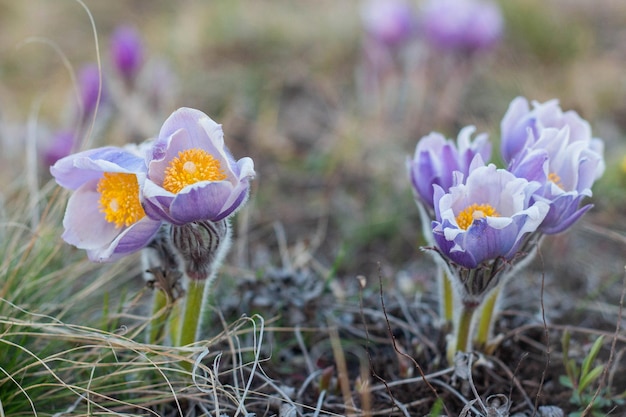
<point>486,217</point>
<point>59,146</point>
<point>127,51</point>
<point>463,25</point>
<point>437,159</point>
<point>104,215</point>
<point>389,22</point>
<point>566,168</point>
<point>91,89</point>
<point>521,126</point>
<point>192,175</point>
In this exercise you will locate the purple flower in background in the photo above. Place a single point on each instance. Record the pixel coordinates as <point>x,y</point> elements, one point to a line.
<point>104,215</point>
<point>485,218</point>
<point>127,51</point>
<point>60,146</point>
<point>89,87</point>
<point>390,22</point>
<point>521,126</point>
<point>192,176</point>
<point>467,25</point>
<point>566,168</point>
<point>437,159</point>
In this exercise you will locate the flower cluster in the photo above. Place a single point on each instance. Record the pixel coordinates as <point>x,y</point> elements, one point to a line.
<point>484,221</point>
<point>123,195</point>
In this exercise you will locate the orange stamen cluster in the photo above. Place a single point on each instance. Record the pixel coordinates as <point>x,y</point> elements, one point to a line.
<point>554,177</point>
<point>192,166</point>
<point>474,212</point>
<point>119,199</point>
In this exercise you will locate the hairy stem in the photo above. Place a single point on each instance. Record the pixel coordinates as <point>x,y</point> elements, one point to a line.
<point>463,328</point>
<point>160,313</point>
<point>193,312</point>
<point>447,296</point>
<point>485,322</point>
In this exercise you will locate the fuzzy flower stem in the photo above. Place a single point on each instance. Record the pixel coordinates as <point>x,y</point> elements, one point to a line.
<point>463,327</point>
<point>193,312</point>
<point>447,297</point>
<point>160,313</point>
<point>485,322</point>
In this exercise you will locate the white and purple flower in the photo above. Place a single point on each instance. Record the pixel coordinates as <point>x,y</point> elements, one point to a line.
<point>437,159</point>
<point>566,168</point>
<point>486,217</point>
<point>104,215</point>
<point>192,176</point>
<point>521,126</point>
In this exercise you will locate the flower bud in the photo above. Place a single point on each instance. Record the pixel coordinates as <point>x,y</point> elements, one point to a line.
<point>202,246</point>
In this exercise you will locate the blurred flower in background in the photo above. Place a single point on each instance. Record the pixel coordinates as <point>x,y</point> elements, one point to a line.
<point>389,22</point>
<point>91,89</point>
<point>389,27</point>
<point>60,145</point>
<point>127,52</point>
<point>461,25</point>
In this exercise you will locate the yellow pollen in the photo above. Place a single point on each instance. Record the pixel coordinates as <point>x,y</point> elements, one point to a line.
<point>554,177</point>
<point>119,199</point>
<point>474,212</point>
<point>192,166</point>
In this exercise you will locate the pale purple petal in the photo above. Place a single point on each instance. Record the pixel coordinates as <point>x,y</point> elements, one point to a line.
<point>131,239</point>
<point>85,226</point>
<point>201,201</point>
<point>74,170</point>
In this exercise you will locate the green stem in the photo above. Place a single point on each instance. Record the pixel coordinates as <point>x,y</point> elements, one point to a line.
<point>463,328</point>
<point>486,319</point>
<point>447,297</point>
<point>160,313</point>
<point>193,312</point>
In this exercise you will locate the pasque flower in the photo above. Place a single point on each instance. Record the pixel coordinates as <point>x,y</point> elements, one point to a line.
<point>389,22</point>
<point>437,159</point>
<point>462,25</point>
<point>521,126</point>
<point>486,217</point>
<point>566,168</point>
<point>127,51</point>
<point>104,215</point>
<point>91,89</point>
<point>192,176</point>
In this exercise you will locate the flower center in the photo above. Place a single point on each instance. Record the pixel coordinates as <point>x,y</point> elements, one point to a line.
<point>192,166</point>
<point>474,212</point>
<point>554,177</point>
<point>119,199</point>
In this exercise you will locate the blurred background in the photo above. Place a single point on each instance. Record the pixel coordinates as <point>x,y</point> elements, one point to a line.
<point>329,99</point>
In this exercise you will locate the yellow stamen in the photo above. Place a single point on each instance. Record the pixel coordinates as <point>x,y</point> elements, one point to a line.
<point>474,212</point>
<point>119,199</point>
<point>554,177</point>
<point>192,166</point>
